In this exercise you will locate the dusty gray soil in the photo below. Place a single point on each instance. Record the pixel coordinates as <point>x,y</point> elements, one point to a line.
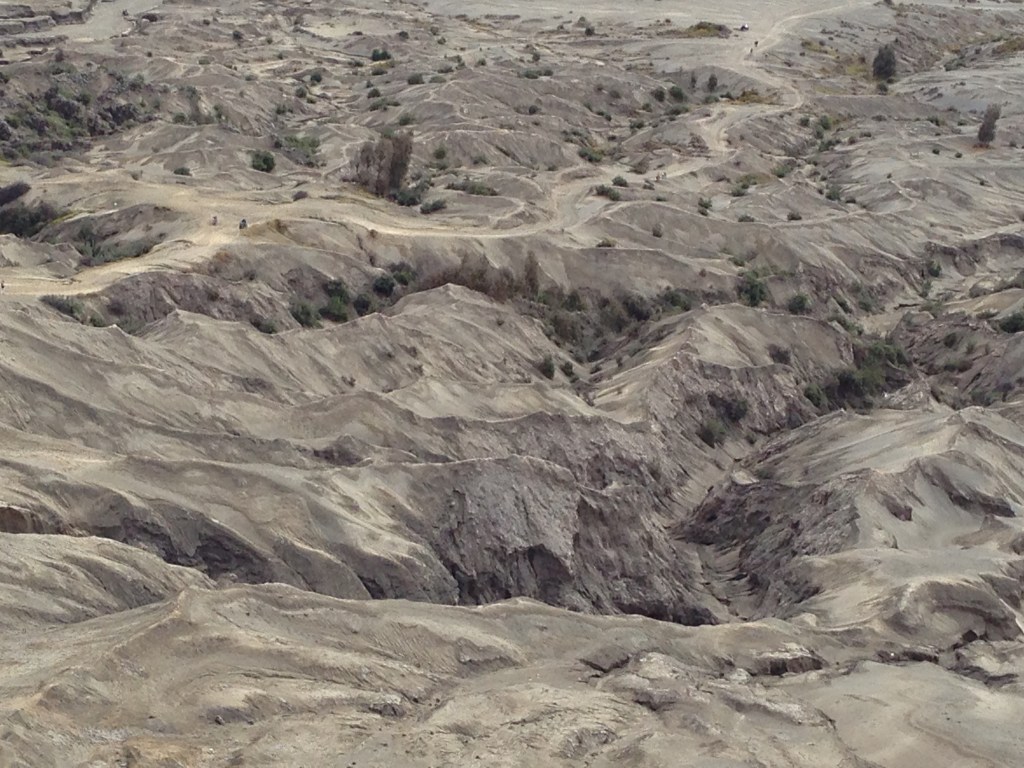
<point>687,432</point>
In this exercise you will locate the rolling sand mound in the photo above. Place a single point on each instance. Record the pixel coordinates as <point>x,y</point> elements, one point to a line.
<point>675,420</point>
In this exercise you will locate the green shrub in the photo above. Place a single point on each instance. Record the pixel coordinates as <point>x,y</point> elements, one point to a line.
<point>816,395</point>
<point>264,324</point>
<point>182,171</point>
<point>1012,323</point>
<point>711,432</point>
<point>619,181</point>
<point>472,188</point>
<point>799,304</point>
<point>433,206</point>
<point>23,220</point>
<point>335,310</point>
<point>779,354</point>
<point>11,192</point>
<point>547,367</point>
<point>66,306</point>
<point>637,307</point>
<point>384,285</point>
<point>262,160</point>
<point>362,304</point>
<point>304,314</point>
<point>415,79</point>
<point>336,288</point>
<point>732,409</point>
<point>752,288</point>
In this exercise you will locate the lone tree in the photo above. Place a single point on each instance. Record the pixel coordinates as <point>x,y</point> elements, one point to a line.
<point>380,166</point>
<point>712,83</point>
<point>884,65</point>
<point>987,129</point>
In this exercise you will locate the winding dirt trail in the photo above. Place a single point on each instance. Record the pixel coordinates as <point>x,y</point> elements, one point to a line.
<point>567,216</point>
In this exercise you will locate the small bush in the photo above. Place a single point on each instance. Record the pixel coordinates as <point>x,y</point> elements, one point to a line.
<point>1012,323</point>
<point>182,171</point>
<point>66,306</point>
<point>410,196</point>
<point>336,289</point>
<point>711,432</point>
<point>619,181</point>
<point>403,273</point>
<point>472,188</point>
<point>779,354</point>
<point>23,220</point>
<point>380,54</point>
<point>657,230</point>
<point>11,192</point>
<point>752,288</point>
<point>793,216</point>
<point>335,310</point>
<point>384,285</point>
<point>433,206</point>
<point>264,324</point>
<point>799,304</point>
<point>362,304</point>
<point>416,79</point>
<point>261,160</point>
<point>816,395</point>
<point>547,367</point>
<point>637,307</point>
<point>304,314</point>
<point>568,369</point>
<point>732,409</point>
